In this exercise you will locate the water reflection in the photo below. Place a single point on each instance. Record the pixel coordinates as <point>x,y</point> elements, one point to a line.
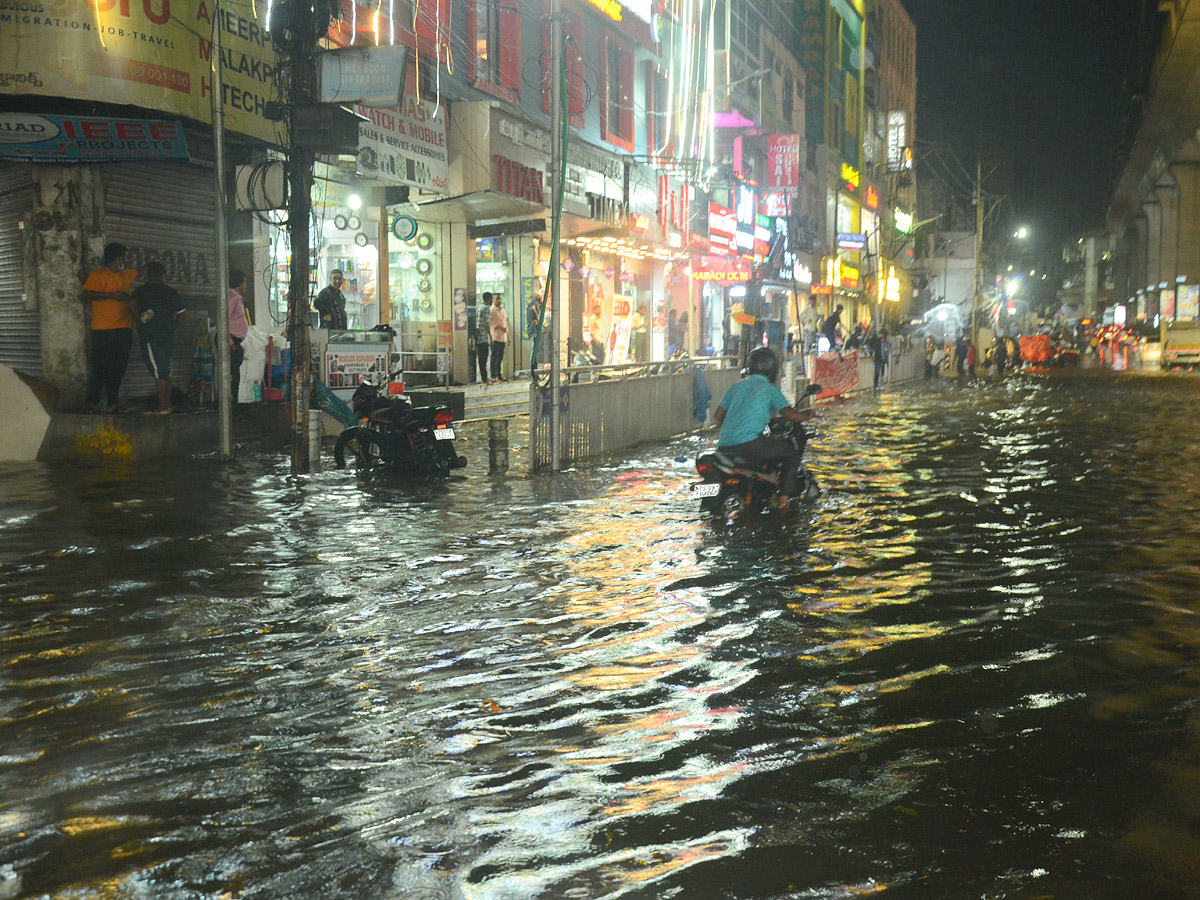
<point>967,670</point>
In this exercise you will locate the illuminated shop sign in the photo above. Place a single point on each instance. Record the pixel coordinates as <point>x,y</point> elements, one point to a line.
<point>851,178</point>
<point>856,242</point>
<point>892,286</point>
<point>871,197</point>
<point>722,226</point>
<point>746,209</point>
<point>897,139</point>
<point>639,9</point>
<point>851,277</point>
<point>721,269</point>
<point>903,221</point>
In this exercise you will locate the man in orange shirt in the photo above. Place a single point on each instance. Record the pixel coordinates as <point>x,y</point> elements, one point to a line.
<point>107,289</point>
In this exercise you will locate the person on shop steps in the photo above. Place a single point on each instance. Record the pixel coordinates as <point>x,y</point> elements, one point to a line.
<point>744,412</point>
<point>499,335</point>
<point>483,334</point>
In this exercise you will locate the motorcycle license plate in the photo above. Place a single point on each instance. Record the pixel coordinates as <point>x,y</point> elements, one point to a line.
<point>705,490</point>
<point>443,434</point>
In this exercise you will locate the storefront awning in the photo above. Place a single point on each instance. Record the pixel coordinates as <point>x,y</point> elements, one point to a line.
<point>479,207</point>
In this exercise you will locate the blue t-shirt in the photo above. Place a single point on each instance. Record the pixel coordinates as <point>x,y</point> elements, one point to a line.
<point>749,405</point>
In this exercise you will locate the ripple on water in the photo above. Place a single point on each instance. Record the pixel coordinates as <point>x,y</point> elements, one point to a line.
<point>967,668</point>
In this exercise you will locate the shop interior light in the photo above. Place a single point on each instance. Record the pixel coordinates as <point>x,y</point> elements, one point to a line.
<point>354,201</point>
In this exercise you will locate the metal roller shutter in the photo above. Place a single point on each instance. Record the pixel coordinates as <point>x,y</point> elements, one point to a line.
<point>20,328</point>
<point>167,212</point>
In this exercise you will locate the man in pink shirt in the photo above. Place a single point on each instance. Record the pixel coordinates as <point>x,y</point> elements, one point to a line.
<point>499,335</point>
<point>239,325</point>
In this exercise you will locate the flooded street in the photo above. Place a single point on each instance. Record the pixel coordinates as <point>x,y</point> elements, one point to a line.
<point>967,671</point>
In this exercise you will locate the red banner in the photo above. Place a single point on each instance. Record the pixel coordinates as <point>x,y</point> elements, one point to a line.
<point>836,374</point>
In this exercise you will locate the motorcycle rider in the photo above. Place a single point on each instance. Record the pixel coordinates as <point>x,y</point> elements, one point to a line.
<point>744,412</point>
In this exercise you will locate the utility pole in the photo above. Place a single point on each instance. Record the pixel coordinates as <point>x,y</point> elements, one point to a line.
<point>978,255</point>
<point>223,381</point>
<point>302,72</point>
<point>556,166</point>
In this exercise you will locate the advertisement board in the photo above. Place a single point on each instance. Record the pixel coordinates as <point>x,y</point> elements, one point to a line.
<point>157,55</point>
<point>404,144</point>
<point>61,139</point>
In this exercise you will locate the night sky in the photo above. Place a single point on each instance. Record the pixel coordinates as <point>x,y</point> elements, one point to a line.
<point>1039,88</point>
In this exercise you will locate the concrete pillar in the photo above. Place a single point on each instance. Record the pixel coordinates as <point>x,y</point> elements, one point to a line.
<point>1168,202</point>
<point>1187,178</point>
<point>1153,244</point>
<point>68,241</point>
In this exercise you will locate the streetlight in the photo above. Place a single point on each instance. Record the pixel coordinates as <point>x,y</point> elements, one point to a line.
<point>1021,233</point>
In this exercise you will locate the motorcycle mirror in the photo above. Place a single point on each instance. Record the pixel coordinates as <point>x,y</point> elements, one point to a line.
<point>812,389</point>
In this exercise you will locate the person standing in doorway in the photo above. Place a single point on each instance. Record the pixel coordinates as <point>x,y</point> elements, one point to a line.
<point>499,336</point>
<point>159,310</point>
<point>331,303</point>
<point>239,327</point>
<point>483,334</point>
<point>596,329</point>
<point>107,289</point>
<point>640,332</point>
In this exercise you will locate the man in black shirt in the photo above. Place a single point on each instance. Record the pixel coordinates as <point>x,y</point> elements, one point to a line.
<point>331,303</point>
<point>830,327</point>
<point>159,310</point>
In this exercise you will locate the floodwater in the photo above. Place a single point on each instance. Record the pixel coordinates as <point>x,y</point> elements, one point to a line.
<point>968,671</point>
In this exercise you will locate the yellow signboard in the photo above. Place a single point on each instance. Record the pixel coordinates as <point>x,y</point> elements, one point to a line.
<point>156,54</point>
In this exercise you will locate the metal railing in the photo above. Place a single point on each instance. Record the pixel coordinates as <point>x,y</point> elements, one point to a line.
<point>606,408</point>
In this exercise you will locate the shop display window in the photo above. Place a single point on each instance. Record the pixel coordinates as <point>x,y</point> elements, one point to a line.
<point>414,281</point>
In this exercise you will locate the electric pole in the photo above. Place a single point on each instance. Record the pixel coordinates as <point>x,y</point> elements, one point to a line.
<point>978,256</point>
<point>553,286</point>
<point>302,74</point>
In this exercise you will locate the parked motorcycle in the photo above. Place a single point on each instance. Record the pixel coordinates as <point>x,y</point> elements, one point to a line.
<point>394,434</point>
<point>730,485</point>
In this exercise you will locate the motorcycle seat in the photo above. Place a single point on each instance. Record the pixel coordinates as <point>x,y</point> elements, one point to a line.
<point>738,465</point>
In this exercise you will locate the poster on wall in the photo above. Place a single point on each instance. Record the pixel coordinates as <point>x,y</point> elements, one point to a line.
<point>346,369</point>
<point>529,303</point>
<point>618,332</point>
<point>1189,301</point>
<point>1166,301</point>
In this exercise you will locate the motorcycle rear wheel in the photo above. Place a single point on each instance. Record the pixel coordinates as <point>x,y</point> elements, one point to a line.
<point>730,502</point>
<point>357,448</point>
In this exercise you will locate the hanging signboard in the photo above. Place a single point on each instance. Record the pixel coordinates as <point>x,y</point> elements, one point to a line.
<point>373,76</point>
<point>897,138</point>
<point>722,227</point>
<point>783,162</point>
